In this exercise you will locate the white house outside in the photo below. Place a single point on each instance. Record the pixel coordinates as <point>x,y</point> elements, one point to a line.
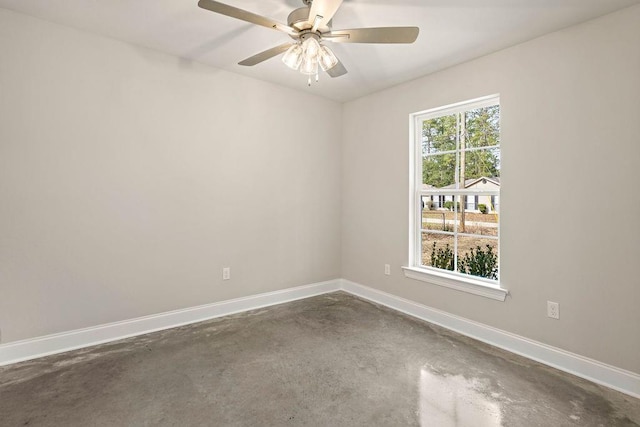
<point>473,203</point>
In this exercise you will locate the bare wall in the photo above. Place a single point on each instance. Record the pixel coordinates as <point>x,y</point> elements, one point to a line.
<point>570,207</point>
<point>129,178</point>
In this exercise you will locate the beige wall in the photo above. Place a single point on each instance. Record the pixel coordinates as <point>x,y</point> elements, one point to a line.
<point>570,109</point>
<point>129,178</point>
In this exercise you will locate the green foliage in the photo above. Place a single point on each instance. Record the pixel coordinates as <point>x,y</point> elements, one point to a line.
<point>442,257</point>
<point>480,263</point>
<point>483,126</point>
<point>439,171</point>
<point>482,163</point>
<point>440,135</point>
<point>482,208</point>
<point>449,205</point>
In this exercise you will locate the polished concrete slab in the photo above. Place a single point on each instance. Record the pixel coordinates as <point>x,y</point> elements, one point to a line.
<point>331,360</point>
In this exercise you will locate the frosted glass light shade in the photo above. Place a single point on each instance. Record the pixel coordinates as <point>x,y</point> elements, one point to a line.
<point>309,65</point>
<point>327,59</point>
<point>293,57</point>
<point>310,47</point>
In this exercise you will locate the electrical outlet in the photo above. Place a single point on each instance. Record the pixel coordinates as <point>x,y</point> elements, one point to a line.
<point>226,273</point>
<point>387,269</point>
<point>553,310</point>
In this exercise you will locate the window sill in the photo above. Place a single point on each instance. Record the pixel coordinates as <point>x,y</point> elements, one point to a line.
<point>472,286</point>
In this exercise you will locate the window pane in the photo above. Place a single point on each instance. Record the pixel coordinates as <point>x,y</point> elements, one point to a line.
<point>437,219</point>
<point>478,256</point>
<point>439,134</point>
<point>482,127</point>
<point>479,215</point>
<point>439,171</point>
<point>437,250</point>
<point>480,165</point>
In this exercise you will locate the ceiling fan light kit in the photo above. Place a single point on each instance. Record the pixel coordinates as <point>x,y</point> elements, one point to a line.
<point>308,26</point>
<point>307,55</point>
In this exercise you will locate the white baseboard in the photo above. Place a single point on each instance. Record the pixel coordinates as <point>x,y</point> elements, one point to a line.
<point>19,351</point>
<point>598,372</point>
<point>618,379</point>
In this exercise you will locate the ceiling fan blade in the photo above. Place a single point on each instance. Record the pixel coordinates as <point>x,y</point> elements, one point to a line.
<point>337,70</point>
<point>243,15</point>
<point>324,8</point>
<point>263,56</point>
<point>374,35</point>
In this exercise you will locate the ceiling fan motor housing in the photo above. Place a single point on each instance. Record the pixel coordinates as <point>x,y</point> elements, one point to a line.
<point>299,19</point>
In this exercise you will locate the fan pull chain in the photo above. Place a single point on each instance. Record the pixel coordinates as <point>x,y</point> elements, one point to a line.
<point>309,79</point>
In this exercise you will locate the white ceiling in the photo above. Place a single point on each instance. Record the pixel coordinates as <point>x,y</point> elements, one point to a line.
<point>451,32</point>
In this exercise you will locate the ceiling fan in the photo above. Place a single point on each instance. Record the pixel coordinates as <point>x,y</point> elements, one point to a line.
<point>309,26</point>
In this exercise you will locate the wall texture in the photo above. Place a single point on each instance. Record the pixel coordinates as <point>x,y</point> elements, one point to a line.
<point>570,207</point>
<point>129,178</point>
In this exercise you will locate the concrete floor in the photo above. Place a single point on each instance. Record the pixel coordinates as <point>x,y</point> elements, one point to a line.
<point>331,360</point>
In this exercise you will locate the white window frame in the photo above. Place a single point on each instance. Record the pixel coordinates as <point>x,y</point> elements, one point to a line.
<point>415,270</point>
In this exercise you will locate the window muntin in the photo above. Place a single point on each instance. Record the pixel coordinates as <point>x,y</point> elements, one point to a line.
<point>457,190</point>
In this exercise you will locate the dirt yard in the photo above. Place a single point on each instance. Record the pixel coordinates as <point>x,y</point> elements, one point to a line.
<point>474,223</point>
<point>469,216</point>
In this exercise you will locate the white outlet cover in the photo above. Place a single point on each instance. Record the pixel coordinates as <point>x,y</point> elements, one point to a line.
<point>553,310</point>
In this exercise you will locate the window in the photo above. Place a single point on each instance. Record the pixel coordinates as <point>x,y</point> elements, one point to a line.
<point>455,195</point>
